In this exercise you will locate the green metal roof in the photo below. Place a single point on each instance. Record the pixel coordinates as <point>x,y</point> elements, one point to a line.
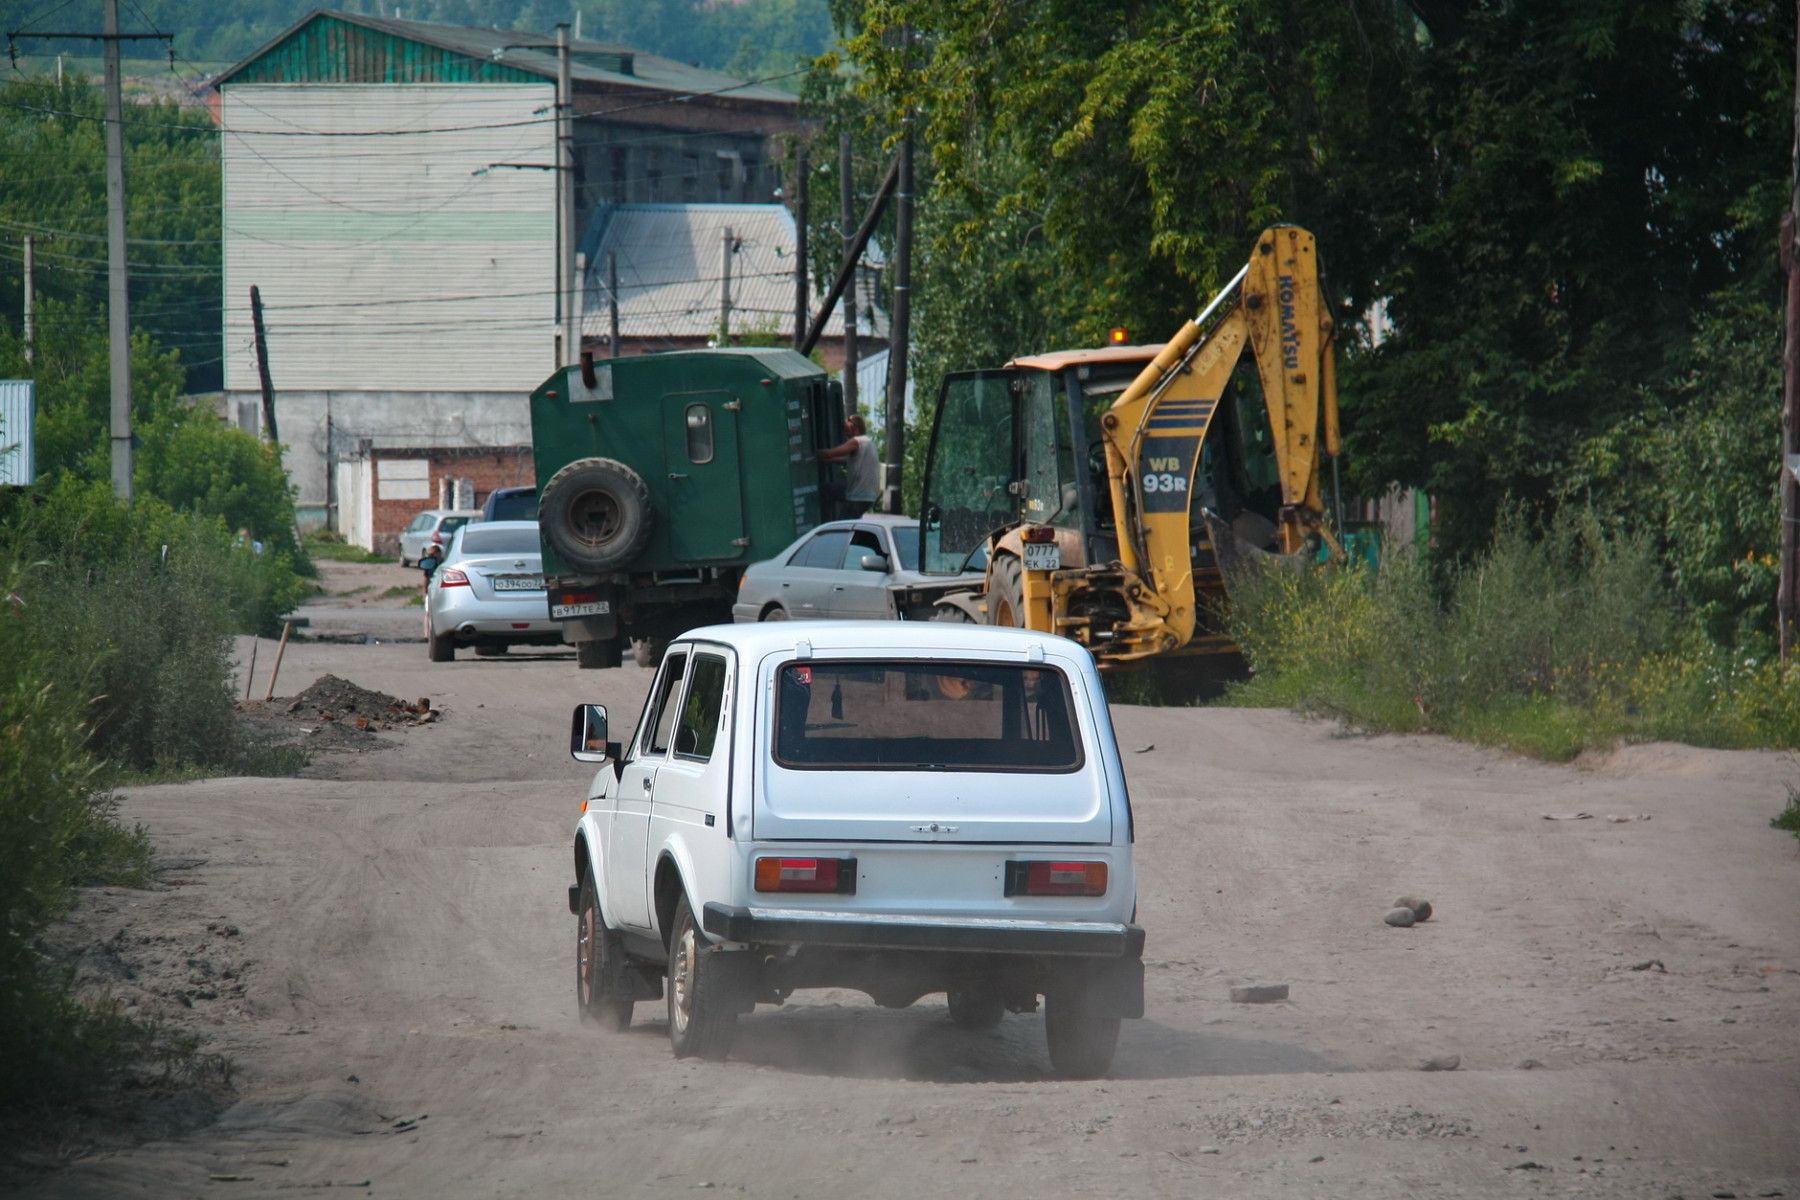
<point>336,47</point>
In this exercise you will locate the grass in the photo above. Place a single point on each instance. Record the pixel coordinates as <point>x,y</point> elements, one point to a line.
<point>331,547</point>
<point>1789,817</point>
<point>1547,646</point>
<point>403,591</point>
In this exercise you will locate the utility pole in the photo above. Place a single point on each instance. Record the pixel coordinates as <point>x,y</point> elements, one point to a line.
<point>118,315</point>
<point>565,198</point>
<point>801,216</point>
<point>1787,596</point>
<point>262,367</point>
<point>117,299</point>
<point>612,291</point>
<point>847,214</point>
<point>902,319</point>
<point>30,298</point>
<point>725,291</point>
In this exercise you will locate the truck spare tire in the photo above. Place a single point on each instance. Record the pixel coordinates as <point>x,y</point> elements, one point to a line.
<point>596,514</point>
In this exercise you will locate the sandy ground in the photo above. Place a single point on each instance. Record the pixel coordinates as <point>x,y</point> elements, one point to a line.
<point>383,949</point>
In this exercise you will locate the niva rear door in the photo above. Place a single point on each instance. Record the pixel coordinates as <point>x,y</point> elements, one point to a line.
<point>928,750</point>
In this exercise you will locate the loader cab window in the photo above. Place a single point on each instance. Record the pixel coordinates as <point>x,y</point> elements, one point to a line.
<point>971,464</point>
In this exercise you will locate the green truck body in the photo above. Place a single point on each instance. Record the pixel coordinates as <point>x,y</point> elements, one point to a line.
<point>661,477</point>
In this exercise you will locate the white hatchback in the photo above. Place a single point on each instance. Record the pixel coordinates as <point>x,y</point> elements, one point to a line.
<point>898,809</point>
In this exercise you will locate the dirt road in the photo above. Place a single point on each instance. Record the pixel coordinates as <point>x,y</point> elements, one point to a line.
<point>384,950</point>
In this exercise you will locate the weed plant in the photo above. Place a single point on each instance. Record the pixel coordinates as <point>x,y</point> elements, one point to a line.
<point>329,546</point>
<point>115,629</point>
<point>1546,645</point>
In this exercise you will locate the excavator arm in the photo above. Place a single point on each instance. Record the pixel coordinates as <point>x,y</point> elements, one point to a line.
<point>1154,431</point>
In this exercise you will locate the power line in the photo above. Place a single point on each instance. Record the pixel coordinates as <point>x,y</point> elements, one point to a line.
<point>355,133</point>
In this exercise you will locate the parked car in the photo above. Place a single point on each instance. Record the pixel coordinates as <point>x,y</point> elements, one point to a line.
<point>488,592</point>
<point>865,569</point>
<point>510,504</point>
<point>432,525</point>
<point>897,809</point>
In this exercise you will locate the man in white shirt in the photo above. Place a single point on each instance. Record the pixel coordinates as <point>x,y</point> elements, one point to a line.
<point>861,474</point>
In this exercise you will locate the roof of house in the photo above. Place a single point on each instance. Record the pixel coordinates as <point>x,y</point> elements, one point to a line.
<point>670,264</point>
<point>342,47</point>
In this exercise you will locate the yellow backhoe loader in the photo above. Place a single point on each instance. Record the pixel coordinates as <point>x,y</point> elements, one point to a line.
<point>1114,490</point>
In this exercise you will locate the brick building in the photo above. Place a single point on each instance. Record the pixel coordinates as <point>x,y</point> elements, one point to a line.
<point>380,490</point>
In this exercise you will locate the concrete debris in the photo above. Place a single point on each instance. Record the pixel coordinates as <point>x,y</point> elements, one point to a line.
<point>1441,1062</point>
<point>1401,918</point>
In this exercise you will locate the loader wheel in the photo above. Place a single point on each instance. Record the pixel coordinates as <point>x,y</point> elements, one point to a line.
<point>596,514</point>
<point>1006,593</point>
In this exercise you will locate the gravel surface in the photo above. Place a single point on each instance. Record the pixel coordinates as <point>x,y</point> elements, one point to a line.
<point>383,949</point>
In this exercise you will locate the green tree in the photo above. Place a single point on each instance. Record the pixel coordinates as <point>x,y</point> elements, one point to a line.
<point>1593,174</point>
<point>53,186</point>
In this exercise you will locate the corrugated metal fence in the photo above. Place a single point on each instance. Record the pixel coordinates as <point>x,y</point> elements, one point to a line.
<point>18,450</point>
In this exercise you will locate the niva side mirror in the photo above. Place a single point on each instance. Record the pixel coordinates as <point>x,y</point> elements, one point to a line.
<point>587,735</point>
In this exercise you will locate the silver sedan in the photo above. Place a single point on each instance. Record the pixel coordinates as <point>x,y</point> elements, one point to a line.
<point>841,570</point>
<point>488,592</point>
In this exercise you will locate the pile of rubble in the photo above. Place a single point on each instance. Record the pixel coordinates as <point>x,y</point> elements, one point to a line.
<point>331,699</point>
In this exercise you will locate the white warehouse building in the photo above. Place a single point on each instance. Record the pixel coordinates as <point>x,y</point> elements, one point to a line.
<point>385,191</point>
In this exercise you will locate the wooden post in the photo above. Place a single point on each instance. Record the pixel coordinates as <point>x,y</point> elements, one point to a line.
<point>250,675</point>
<point>803,168</point>
<point>847,214</point>
<point>901,324</point>
<point>262,366</point>
<point>287,627</point>
<point>725,291</point>
<point>30,298</point>
<point>612,291</point>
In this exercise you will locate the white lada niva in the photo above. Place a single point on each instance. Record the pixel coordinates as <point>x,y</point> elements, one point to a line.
<point>896,808</point>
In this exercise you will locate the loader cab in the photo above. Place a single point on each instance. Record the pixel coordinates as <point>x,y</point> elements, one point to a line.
<point>1022,444</point>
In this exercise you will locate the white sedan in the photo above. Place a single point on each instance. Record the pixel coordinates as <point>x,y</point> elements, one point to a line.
<point>488,592</point>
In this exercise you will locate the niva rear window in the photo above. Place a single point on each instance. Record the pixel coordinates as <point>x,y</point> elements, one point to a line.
<point>924,716</point>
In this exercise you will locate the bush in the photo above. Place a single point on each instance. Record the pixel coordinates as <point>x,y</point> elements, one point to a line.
<point>57,830</point>
<point>1543,645</point>
<point>135,607</point>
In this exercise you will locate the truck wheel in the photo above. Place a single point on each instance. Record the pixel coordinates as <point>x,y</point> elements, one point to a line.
<point>648,652</point>
<point>439,649</point>
<point>975,1008</point>
<point>596,951</point>
<point>596,514</point>
<point>1006,598</point>
<point>949,614</point>
<point>701,1024</point>
<point>774,613</point>
<point>1081,1043</point>
<point>599,654</point>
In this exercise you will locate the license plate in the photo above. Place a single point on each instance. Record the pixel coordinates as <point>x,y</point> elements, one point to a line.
<point>598,608</point>
<point>518,583</point>
<point>1043,556</point>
